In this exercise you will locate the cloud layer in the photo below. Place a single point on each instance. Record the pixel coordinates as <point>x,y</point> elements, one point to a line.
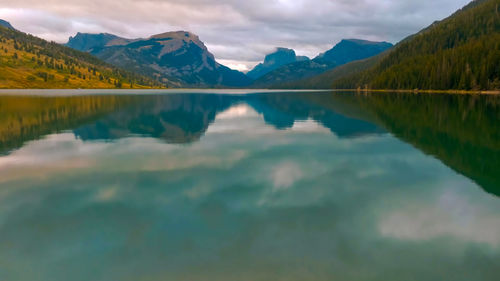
<point>239,33</point>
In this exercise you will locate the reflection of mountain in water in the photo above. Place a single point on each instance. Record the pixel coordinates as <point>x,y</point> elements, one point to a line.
<point>185,118</point>
<point>282,110</point>
<point>173,118</point>
<point>460,130</point>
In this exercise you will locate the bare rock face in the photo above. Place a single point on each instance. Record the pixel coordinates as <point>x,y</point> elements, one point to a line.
<point>178,56</point>
<point>280,57</point>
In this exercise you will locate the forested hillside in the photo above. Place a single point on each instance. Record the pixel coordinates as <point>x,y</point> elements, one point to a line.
<point>30,62</point>
<point>461,52</point>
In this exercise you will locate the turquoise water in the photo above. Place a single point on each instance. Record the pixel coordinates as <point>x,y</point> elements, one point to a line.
<point>264,186</point>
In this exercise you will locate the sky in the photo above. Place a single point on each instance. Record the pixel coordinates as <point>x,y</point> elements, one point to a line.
<point>238,32</point>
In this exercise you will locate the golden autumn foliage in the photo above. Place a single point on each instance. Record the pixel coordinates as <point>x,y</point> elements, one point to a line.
<point>28,62</point>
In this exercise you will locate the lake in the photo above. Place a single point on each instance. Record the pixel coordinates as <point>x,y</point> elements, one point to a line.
<point>241,185</point>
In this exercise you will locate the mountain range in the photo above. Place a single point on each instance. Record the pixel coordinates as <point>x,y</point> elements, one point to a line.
<point>272,61</point>
<point>180,58</point>
<point>345,51</point>
<point>183,60</point>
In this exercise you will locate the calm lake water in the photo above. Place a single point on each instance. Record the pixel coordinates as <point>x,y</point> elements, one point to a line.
<point>255,186</point>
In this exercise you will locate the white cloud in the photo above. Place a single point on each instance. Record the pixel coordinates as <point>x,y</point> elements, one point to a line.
<point>243,66</point>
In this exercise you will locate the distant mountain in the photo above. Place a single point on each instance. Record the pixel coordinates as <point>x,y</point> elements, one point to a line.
<point>30,62</point>
<point>291,72</point>
<point>460,52</point>
<point>274,60</point>
<point>6,24</point>
<point>345,51</point>
<point>324,80</point>
<point>351,50</point>
<point>87,42</point>
<point>179,56</point>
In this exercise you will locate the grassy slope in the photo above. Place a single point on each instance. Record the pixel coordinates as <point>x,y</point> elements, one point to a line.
<point>27,62</point>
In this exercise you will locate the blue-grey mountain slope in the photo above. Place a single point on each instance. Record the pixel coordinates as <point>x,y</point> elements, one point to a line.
<point>179,57</point>
<point>344,52</point>
<point>280,57</point>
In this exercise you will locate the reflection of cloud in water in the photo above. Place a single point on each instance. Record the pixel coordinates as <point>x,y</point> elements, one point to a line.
<point>50,150</point>
<point>58,154</point>
<point>285,175</point>
<point>451,215</point>
<point>107,194</point>
<point>309,126</point>
<point>244,118</point>
<point>61,152</point>
<point>237,111</point>
<point>241,119</point>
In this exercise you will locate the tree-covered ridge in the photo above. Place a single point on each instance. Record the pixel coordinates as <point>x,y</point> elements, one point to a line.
<point>30,62</point>
<point>461,52</point>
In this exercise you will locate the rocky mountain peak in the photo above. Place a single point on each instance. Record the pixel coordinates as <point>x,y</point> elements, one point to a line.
<point>180,35</point>
<point>178,56</point>
<point>280,56</point>
<point>88,41</point>
<point>274,60</point>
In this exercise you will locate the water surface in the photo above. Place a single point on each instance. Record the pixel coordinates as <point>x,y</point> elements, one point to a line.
<point>250,186</point>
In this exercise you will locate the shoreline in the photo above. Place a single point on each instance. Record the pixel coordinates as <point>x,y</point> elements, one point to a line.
<point>78,92</point>
<point>52,92</point>
<point>417,91</point>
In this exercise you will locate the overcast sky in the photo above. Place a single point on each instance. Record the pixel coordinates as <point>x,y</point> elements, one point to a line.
<point>238,32</point>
